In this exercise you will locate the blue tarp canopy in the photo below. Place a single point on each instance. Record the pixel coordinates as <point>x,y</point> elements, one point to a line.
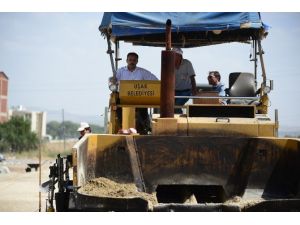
<point>188,29</point>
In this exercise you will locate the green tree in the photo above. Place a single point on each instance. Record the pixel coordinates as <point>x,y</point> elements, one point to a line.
<point>16,136</point>
<point>70,129</point>
<point>53,129</point>
<point>97,129</point>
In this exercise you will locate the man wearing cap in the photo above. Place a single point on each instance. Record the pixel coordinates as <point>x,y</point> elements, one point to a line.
<point>83,129</point>
<point>185,84</point>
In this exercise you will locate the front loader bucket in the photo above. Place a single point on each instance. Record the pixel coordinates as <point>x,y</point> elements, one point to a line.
<point>180,169</point>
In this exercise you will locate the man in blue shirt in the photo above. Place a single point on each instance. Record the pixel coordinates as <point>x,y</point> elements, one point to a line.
<point>214,79</point>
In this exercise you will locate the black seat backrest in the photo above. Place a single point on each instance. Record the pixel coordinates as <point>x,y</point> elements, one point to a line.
<point>241,85</point>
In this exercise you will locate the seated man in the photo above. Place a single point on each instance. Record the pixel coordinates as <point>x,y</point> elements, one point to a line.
<point>132,72</point>
<point>214,79</point>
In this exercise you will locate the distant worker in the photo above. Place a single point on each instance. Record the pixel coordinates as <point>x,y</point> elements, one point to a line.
<point>132,72</point>
<point>214,79</point>
<point>84,129</point>
<point>185,84</point>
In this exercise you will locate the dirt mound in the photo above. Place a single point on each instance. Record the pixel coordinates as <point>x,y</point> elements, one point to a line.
<point>103,187</point>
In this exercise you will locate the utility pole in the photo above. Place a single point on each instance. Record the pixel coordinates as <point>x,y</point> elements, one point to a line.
<point>40,175</point>
<point>63,125</point>
<point>105,119</point>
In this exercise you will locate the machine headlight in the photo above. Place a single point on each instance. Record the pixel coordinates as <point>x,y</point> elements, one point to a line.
<point>113,87</point>
<point>267,89</point>
<point>112,84</point>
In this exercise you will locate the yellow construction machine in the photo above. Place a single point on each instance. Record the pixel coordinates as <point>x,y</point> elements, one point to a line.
<point>213,157</point>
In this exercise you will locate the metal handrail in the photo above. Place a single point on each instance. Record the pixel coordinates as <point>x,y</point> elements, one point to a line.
<point>217,97</point>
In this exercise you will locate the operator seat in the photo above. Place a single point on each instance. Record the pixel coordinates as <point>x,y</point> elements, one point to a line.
<point>241,85</point>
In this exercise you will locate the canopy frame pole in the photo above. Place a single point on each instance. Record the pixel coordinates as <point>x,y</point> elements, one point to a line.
<point>255,62</point>
<point>117,48</point>
<point>110,52</point>
<point>262,63</point>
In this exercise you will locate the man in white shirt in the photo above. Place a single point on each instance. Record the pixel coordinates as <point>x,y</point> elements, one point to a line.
<point>132,72</point>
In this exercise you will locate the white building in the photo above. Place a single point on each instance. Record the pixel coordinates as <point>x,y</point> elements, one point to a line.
<point>37,119</point>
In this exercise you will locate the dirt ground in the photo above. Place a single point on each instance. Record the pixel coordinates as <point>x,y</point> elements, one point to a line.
<point>19,190</point>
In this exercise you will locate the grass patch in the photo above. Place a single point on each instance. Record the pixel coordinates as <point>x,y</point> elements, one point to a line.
<point>52,149</point>
<point>49,151</point>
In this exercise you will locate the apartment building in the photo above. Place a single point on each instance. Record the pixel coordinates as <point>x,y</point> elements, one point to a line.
<point>38,120</point>
<point>3,97</point>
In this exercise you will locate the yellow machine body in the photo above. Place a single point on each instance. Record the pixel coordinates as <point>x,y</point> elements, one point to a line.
<point>201,153</point>
<point>140,94</point>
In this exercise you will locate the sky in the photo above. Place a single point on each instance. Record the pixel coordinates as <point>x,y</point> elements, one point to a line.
<point>58,61</point>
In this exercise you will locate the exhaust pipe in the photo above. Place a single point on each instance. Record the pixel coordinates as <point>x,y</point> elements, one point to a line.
<point>167,77</point>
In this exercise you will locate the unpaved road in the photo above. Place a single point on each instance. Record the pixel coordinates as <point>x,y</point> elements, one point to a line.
<point>19,191</point>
